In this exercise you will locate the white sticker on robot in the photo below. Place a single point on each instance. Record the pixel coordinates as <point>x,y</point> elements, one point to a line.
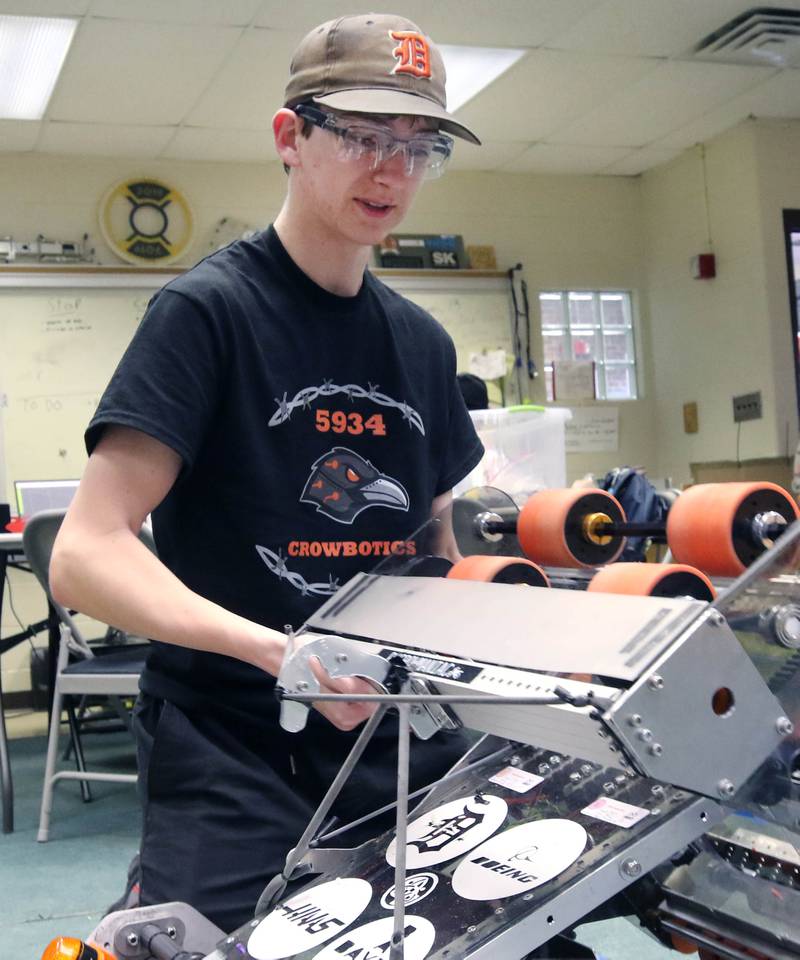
<point>417,887</point>
<point>373,941</point>
<point>519,859</point>
<point>615,811</point>
<point>309,919</point>
<point>520,781</point>
<point>451,830</point>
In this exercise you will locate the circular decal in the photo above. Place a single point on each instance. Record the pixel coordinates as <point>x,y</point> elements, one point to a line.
<point>309,919</point>
<point>519,859</point>
<point>417,887</point>
<point>450,830</point>
<point>373,941</point>
<point>145,221</point>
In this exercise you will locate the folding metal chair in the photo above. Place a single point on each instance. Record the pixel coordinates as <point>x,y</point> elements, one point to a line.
<point>80,672</point>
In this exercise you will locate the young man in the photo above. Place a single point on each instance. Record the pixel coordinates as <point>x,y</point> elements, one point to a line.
<point>288,420</point>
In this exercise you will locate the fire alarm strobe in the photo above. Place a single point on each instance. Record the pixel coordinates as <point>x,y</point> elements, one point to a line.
<point>704,266</point>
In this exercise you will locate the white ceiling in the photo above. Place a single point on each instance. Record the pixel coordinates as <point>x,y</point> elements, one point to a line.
<point>607,86</point>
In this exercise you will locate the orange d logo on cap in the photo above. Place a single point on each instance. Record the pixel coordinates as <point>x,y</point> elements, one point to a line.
<point>412,53</point>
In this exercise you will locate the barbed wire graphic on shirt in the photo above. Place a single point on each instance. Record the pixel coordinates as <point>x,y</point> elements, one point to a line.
<point>305,397</point>
<point>277,565</point>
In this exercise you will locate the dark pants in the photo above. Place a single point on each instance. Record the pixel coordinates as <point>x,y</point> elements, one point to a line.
<point>225,800</point>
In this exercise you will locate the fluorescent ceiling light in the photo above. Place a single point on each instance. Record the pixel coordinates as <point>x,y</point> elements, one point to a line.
<point>32,52</point>
<point>471,69</point>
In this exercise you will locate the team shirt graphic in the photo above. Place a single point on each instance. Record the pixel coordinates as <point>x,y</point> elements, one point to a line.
<point>342,483</point>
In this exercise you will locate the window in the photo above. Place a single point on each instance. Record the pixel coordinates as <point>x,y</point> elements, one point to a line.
<point>591,325</point>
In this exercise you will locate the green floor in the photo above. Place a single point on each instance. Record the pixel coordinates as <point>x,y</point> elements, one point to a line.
<point>62,887</point>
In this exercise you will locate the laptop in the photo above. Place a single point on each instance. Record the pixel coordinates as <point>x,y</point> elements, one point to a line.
<point>34,496</point>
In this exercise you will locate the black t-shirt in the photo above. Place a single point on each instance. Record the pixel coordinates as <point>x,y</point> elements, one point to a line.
<point>314,430</point>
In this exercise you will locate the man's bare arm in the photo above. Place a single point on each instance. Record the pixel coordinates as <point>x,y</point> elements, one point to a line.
<point>100,567</point>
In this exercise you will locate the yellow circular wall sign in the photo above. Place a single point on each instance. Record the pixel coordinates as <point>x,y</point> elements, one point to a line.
<point>145,221</point>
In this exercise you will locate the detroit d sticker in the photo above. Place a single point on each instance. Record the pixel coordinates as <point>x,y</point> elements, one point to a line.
<point>373,941</point>
<point>309,919</point>
<point>519,859</point>
<point>450,830</point>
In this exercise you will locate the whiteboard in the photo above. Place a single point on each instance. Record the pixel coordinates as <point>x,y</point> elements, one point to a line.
<point>61,337</point>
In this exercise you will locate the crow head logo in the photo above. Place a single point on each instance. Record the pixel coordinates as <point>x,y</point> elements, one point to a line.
<point>342,484</point>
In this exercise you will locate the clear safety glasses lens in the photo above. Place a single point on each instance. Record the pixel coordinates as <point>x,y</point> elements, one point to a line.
<point>425,157</point>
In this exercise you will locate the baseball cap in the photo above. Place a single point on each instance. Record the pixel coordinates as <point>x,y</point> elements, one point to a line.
<point>372,63</point>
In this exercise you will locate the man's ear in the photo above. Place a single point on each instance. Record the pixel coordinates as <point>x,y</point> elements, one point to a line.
<point>286,130</point>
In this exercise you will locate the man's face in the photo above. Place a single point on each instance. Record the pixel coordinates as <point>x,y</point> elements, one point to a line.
<point>350,199</point>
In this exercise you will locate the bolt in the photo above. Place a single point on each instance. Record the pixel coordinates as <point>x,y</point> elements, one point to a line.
<point>635,720</point>
<point>609,786</point>
<point>133,939</point>
<point>172,932</point>
<point>725,788</point>
<point>656,750</point>
<point>499,911</point>
<point>645,735</point>
<point>471,929</point>
<point>514,761</point>
<point>586,769</point>
<point>785,726</point>
<point>656,682</point>
<point>630,868</point>
<point>543,769</point>
<point>554,759</point>
<point>716,619</point>
<point>657,790</point>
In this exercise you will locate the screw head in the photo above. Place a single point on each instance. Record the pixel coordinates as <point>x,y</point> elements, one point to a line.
<point>132,939</point>
<point>656,750</point>
<point>645,735</point>
<point>784,726</point>
<point>725,788</point>
<point>716,619</point>
<point>656,682</point>
<point>341,658</point>
<point>630,868</point>
<point>635,720</point>
<point>172,932</point>
<point>514,761</point>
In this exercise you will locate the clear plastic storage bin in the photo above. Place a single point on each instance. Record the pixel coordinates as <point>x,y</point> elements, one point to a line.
<point>525,450</point>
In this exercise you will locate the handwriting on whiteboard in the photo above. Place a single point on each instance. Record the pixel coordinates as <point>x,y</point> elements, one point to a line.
<point>593,430</point>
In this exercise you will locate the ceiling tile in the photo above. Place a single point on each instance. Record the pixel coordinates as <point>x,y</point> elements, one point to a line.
<point>228,12</point>
<point>489,156</point>
<point>520,23</point>
<point>143,73</point>
<point>562,158</point>
<point>637,161</point>
<point>664,100</point>
<point>104,139</point>
<point>558,87</point>
<point>44,8</point>
<point>18,136</point>
<point>647,28</point>
<point>231,146</point>
<point>249,87</point>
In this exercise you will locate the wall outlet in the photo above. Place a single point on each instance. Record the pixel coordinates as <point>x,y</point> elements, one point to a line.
<point>747,407</point>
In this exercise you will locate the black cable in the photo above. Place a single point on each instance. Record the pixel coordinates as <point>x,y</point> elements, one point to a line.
<point>516,340</point>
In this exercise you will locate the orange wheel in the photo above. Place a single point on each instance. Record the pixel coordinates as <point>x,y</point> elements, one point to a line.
<point>713,526</point>
<point>653,580</point>
<point>499,570</point>
<point>555,528</point>
<point>681,945</point>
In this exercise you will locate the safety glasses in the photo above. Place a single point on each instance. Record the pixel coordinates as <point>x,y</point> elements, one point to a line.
<point>425,154</point>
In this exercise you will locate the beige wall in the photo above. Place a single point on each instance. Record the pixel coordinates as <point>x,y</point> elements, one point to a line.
<point>566,231</point>
<point>713,339</point>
